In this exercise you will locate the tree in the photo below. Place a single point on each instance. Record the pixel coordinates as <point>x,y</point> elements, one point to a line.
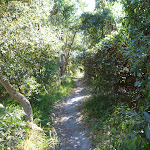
<point>27,46</point>
<point>63,19</point>
<point>18,97</point>
<point>137,29</point>
<point>96,25</point>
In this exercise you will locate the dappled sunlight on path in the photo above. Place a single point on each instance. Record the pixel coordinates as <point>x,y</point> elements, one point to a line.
<point>72,135</point>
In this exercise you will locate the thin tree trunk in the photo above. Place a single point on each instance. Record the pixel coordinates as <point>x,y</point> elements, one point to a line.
<point>102,30</point>
<point>62,65</point>
<point>18,97</point>
<point>65,57</point>
<point>68,53</point>
<point>72,41</point>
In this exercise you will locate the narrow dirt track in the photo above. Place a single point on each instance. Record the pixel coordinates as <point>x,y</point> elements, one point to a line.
<point>72,135</point>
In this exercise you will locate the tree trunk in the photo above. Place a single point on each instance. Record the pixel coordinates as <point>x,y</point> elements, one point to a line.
<point>102,30</point>
<point>18,97</point>
<point>62,65</point>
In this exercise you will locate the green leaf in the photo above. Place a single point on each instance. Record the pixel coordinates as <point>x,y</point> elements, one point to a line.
<point>27,123</point>
<point>148,86</point>
<point>138,83</point>
<point>139,75</point>
<point>147,132</point>
<point>144,83</point>
<point>147,116</point>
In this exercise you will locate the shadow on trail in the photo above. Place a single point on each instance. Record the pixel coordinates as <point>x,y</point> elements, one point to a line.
<point>72,135</point>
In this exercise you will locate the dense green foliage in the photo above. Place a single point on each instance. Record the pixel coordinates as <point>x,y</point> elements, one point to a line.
<point>121,60</point>
<point>30,51</point>
<point>115,125</point>
<point>14,130</point>
<point>43,43</point>
<point>12,127</point>
<point>27,44</point>
<point>118,67</point>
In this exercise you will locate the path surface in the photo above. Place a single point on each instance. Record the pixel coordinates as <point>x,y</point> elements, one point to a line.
<point>72,135</point>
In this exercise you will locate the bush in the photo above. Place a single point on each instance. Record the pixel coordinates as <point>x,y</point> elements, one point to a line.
<point>15,134</point>
<point>12,126</point>
<point>115,125</point>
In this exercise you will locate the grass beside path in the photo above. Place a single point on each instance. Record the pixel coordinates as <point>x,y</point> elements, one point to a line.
<point>115,125</point>
<point>14,133</point>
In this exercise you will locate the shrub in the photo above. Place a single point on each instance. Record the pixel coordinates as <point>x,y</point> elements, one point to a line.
<point>12,128</point>
<point>116,125</point>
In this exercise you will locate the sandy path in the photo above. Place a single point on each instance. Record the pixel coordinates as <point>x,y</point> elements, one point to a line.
<point>71,133</point>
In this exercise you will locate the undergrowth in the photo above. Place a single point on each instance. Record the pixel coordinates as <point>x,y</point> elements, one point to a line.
<point>116,126</point>
<point>12,126</point>
<point>14,131</point>
<point>43,106</point>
